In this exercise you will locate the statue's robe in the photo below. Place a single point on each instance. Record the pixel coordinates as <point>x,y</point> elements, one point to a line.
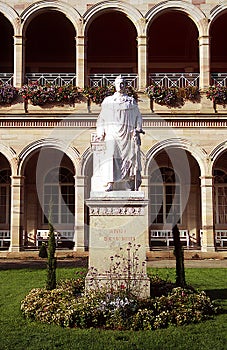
<point>117,124</point>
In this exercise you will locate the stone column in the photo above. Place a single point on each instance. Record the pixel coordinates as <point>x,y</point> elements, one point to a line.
<point>207,234</point>
<point>18,61</point>
<point>80,184</point>
<point>145,189</point>
<point>17,183</point>
<point>80,61</point>
<point>204,61</point>
<point>142,62</point>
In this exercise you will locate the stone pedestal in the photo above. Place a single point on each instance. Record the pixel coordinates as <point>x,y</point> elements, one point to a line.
<point>117,250</point>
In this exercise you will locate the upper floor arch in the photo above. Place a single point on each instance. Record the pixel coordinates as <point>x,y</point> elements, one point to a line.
<point>196,15</point>
<point>42,6</point>
<point>106,6</point>
<point>11,15</point>
<point>217,11</point>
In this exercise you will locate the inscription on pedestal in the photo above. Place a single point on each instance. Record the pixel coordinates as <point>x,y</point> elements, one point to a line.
<point>117,211</point>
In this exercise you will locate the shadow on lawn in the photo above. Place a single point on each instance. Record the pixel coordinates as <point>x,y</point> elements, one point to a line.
<point>215,294</point>
<point>41,263</point>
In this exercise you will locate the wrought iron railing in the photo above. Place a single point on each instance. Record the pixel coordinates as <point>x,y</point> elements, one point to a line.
<point>219,79</point>
<point>107,79</point>
<point>6,78</point>
<point>51,78</point>
<point>174,79</point>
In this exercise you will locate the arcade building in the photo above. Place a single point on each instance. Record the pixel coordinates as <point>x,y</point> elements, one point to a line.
<point>45,151</point>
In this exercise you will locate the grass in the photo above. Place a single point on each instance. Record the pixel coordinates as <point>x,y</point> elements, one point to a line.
<point>20,334</point>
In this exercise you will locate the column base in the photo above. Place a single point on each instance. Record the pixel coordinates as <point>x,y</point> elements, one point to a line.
<point>208,249</point>
<point>15,249</point>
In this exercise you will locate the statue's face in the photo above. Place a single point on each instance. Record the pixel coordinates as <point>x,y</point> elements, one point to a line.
<point>119,85</point>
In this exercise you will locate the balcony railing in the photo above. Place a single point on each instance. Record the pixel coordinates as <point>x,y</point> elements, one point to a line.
<point>164,79</point>
<point>6,78</point>
<point>219,79</point>
<point>51,78</point>
<point>108,79</point>
<point>174,79</point>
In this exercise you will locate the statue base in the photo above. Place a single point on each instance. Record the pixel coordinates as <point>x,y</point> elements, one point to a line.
<point>117,247</point>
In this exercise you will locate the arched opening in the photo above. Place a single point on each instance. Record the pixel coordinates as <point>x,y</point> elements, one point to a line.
<point>49,195</point>
<point>220,200</point>
<point>5,202</point>
<point>173,44</point>
<point>6,45</point>
<point>112,46</point>
<point>50,44</point>
<point>88,171</point>
<point>218,52</point>
<point>174,198</point>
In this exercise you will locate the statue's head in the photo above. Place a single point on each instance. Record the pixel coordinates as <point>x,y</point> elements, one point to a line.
<point>119,84</point>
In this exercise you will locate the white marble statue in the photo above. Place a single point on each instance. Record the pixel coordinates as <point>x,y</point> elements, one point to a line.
<point>119,125</point>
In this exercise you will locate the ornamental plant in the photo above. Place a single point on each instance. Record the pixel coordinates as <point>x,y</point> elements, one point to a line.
<point>68,306</point>
<point>115,306</point>
<point>51,261</point>
<point>8,94</point>
<point>96,94</point>
<point>126,276</point>
<point>172,96</point>
<point>217,94</point>
<point>49,93</point>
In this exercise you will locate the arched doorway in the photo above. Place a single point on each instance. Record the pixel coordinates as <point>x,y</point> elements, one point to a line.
<point>220,201</point>
<point>174,197</point>
<point>49,195</point>
<point>5,202</point>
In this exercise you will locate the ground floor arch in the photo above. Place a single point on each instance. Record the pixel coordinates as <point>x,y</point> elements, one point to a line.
<point>174,196</point>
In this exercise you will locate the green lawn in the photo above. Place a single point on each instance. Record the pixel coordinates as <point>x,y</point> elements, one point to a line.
<point>18,333</point>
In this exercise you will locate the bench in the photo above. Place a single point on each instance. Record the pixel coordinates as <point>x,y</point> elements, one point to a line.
<point>167,237</point>
<point>61,236</point>
<point>221,237</point>
<point>4,238</point>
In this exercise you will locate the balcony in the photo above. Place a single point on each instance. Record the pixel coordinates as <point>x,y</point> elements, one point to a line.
<point>168,80</point>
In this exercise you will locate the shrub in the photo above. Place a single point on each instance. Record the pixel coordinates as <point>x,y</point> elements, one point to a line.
<point>68,306</point>
<point>97,94</point>
<point>49,93</point>
<point>8,94</point>
<point>172,96</point>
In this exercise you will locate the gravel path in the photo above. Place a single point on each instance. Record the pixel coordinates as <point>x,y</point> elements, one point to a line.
<point>6,264</point>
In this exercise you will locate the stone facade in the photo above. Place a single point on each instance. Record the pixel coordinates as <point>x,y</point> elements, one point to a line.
<point>188,144</point>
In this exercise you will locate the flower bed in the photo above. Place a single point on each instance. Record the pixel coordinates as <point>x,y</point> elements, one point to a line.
<point>69,306</point>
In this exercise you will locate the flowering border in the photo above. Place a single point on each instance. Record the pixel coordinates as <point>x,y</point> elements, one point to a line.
<point>39,95</point>
<point>172,97</point>
<point>217,94</point>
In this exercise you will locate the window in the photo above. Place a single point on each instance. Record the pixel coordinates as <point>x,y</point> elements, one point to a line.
<point>220,196</point>
<point>4,196</point>
<point>59,196</point>
<point>165,197</point>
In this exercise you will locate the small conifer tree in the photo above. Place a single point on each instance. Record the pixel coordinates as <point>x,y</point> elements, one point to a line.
<point>179,254</point>
<point>51,261</point>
